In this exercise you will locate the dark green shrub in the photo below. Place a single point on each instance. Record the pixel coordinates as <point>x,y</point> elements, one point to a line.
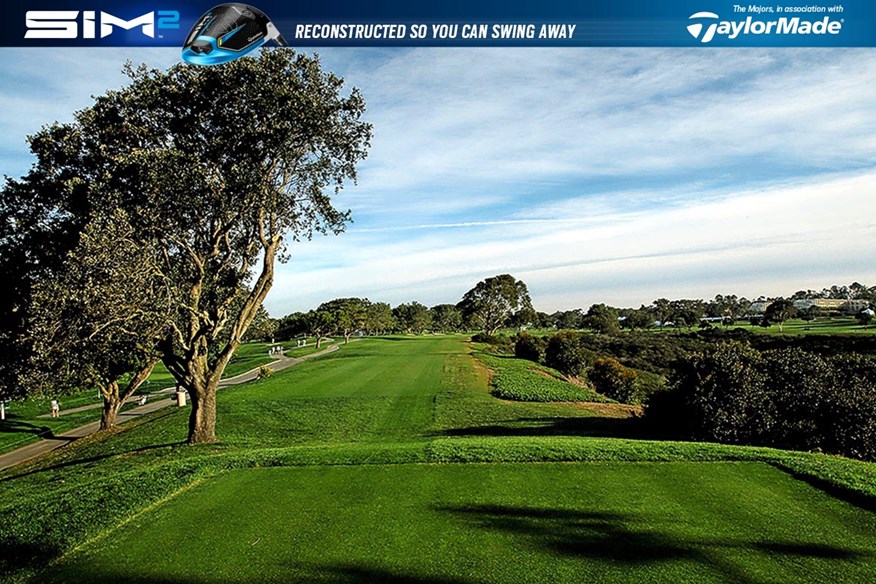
<point>797,383</point>
<point>787,398</point>
<point>528,347</point>
<point>613,380</point>
<point>850,408</point>
<point>719,395</point>
<point>565,353</point>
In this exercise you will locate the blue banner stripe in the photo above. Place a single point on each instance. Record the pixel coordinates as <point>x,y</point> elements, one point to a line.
<point>636,23</point>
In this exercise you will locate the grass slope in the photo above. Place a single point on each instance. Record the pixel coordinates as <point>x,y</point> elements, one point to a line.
<point>522,380</point>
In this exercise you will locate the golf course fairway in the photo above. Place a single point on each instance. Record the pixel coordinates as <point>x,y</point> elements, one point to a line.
<point>389,461</point>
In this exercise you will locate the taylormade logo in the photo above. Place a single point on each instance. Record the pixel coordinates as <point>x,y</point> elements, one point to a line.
<point>706,25</point>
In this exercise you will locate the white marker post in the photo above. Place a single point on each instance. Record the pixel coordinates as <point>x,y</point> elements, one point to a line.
<point>2,410</point>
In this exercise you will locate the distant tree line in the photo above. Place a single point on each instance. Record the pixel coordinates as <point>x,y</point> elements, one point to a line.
<point>689,313</point>
<point>493,303</point>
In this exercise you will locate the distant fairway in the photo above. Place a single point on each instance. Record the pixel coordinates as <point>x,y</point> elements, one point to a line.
<point>589,522</point>
<point>396,464</point>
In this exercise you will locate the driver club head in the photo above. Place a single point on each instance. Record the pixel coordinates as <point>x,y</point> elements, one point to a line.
<point>227,32</point>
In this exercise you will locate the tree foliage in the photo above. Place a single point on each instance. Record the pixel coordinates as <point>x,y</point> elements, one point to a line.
<point>602,319</point>
<point>41,218</point>
<point>788,398</point>
<point>379,318</point>
<point>347,315</point>
<point>217,169</point>
<point>778,312</point>
<point>493,301</point>
<point>412,317</point>
<point>615,381</point>
<point>565,353</point>
<point>100,317</point>
<point>446,318</point>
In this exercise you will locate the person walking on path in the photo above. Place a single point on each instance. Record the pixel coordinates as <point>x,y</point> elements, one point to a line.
<point>56,408</point>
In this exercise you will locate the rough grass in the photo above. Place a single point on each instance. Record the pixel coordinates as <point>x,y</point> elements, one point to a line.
<point>522,380</point>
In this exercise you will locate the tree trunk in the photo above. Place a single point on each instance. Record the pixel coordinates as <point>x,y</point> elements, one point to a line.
<point>347,337</point>
<point>112,403</point>
<point>318,340</point>
<point>113,398</point>
<point>202,420</point>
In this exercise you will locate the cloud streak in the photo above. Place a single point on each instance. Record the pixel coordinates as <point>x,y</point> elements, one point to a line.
<point>596,175</point>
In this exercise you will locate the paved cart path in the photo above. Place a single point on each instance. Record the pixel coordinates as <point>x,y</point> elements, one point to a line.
<point>157,400</point>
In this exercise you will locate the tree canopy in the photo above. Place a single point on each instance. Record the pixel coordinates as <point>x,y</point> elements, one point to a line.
<point>493,301</point>
<point>216,169</point>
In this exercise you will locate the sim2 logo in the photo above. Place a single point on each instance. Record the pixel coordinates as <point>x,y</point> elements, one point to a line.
<point>65,24</point>
<point>707,25</point>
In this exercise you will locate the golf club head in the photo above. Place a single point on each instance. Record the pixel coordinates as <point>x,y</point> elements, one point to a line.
<point>229,31</point>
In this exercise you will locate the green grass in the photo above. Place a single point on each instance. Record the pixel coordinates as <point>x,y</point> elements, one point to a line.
<point>819,326</point>
<point>522,380</point>
<point>399,465</point>
<point>607,522</point>
<point>844,325</point>
<point>24,424</point>
<point>248,357</point>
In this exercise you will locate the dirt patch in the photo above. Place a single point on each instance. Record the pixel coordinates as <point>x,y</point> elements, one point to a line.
<point>483,373</point>
<point>607,410</point>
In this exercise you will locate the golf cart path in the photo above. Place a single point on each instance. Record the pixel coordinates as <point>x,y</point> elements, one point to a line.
<point>31,451</point>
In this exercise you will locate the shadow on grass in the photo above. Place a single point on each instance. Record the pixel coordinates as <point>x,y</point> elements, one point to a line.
<point>595,426</point>
<point>852,497</point>
<point>15,555</point>
<point>87,460</point>
<point>627,539</point>
<point>10,424</point>
<point>594,535</point>
<point>339,574</point>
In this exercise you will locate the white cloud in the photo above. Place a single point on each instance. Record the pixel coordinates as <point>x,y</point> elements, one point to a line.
<point>754,242</point>
<point>614,175</point>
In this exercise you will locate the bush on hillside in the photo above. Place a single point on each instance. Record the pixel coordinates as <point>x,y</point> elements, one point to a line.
<point>850,408</point>
<point>797,383</point>
<point>565,353</point>
<point>528,347</point>
<point>613,380</point>
<point>264,372</point>
<point>495,343</point>
<point>786,398</point>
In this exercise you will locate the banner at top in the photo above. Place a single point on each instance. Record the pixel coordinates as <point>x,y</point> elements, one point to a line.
<point>545,23</point>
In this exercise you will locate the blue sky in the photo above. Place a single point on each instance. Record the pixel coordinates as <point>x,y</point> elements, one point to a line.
<point>595,175</point>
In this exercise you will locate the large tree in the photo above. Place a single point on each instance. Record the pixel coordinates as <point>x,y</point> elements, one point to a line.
<point>446,318</point>
<point>778,312</point>
<point>602,319</point>
<point>218,168</point>
<point>493,301</point>
<point>97,321</point>
<point>379,318</point>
